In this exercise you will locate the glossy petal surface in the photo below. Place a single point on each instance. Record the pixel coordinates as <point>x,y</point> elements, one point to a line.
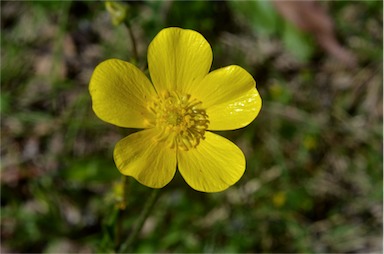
<point>230,97</point>
<point>177,57</point>
<point>235,114</point>
<point>222,85</point>
<point>120,92</point>
<point>213,166</point>
<point>151,163</point>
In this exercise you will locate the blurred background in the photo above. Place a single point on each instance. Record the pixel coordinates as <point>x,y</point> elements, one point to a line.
<point>314,178</point>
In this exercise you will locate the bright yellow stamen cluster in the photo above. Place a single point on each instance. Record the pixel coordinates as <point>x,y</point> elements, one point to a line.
<point>180,118</point>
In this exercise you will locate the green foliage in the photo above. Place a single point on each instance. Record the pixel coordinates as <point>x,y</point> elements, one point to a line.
<point>313,182</point>
<point>263,19</point>
<point>89,171</point>
<point>260,15</point>
<point>298,43</point>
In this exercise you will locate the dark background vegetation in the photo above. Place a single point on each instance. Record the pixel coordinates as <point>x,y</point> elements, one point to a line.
<point>314,173</point>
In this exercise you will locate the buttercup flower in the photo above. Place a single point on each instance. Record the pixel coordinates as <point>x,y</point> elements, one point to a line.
<point>177,111</point>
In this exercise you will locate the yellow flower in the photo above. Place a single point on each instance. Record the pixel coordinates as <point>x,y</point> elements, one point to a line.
<point>177,111</point>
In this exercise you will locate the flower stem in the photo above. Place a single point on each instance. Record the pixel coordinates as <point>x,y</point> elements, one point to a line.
<point>120,207</point>
<point>140,223</point>
<point>133,40</point>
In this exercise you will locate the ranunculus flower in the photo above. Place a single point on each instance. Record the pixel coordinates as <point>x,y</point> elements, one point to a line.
<point>177,111</point>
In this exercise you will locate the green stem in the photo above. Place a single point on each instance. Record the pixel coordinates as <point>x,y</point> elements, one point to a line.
<point>120,207</point>
<point>140,223</point>
<point>133,40</point>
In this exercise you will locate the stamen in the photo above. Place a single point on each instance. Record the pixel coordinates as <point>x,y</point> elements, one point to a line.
<point>181,120</point>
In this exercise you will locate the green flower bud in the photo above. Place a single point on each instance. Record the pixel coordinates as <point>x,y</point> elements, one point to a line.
<point>117,10</point>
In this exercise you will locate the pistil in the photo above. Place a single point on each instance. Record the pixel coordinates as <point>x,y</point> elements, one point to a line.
<point>180,118</point>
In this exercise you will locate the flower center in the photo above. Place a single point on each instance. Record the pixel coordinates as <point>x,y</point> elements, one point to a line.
<point>180,118</point>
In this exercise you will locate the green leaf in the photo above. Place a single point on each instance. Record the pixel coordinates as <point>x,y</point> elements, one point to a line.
<point>297,42</point>
<point>261,15</point>
<point>5,100</point>
<point>91,170</point>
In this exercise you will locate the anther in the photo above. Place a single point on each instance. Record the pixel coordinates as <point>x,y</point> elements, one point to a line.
<point>180,118</point>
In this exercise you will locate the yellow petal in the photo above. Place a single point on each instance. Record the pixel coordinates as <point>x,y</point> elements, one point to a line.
<point>176,57</point>
<point>150,162</point>
<point>230,97</point>
<point>119,94</point>
<point>222,85</point>
<point>214,165</point>
<point>236,113</point>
